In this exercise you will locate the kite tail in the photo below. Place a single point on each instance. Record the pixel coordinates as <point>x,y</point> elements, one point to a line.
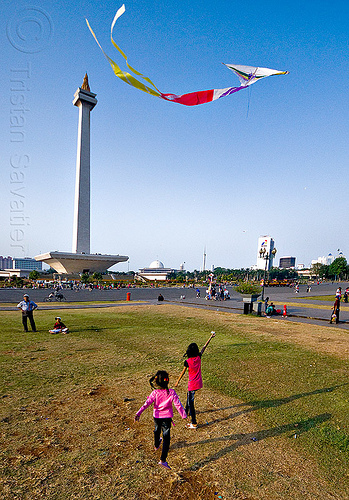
<point>138,73</point>
<point>201,97</point>
<point>123,75</point>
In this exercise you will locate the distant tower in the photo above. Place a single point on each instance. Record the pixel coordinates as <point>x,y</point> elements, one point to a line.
<point>85,100</point>
<point>266,242</point>
<point>204,261</point>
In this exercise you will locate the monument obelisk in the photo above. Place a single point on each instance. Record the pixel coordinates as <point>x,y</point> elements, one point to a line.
<point>85,100</point>
<point>81,260</point>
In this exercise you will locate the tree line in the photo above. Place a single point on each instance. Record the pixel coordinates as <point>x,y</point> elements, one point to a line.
<point>339,269</point>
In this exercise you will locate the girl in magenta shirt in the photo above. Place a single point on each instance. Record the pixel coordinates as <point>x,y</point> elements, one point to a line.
<point>193,363</point>
<point>162,398</point>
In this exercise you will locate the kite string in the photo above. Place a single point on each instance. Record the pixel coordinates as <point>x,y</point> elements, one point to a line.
<point>248,101</point>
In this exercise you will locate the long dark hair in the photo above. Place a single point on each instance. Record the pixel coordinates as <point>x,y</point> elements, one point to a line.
<point>161,379</point>
<point>192,351</point>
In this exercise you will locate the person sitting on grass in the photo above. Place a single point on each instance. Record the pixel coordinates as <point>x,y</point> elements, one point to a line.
<point>271,311</point>
<point>59,326</point>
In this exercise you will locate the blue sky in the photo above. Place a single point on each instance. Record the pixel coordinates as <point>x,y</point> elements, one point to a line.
<point>169,180</point>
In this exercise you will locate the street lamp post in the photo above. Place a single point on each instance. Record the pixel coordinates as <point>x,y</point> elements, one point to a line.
<point>266,256</point>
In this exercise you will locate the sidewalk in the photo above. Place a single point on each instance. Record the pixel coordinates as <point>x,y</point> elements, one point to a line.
<point>297,310</point>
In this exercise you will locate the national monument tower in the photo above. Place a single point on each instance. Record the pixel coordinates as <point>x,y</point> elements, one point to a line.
<point>81,260</point>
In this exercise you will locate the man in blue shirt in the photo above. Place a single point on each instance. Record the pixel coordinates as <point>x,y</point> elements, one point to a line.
<point>27,306</point>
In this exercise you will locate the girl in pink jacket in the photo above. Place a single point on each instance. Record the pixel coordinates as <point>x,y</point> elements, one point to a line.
<point>162,397</point>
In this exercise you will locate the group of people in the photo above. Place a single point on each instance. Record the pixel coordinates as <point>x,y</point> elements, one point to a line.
<point>345,295</point>
<point>270,309</point>
<point>213,294</point>
<point>28,307</point>
<point>163,398</point>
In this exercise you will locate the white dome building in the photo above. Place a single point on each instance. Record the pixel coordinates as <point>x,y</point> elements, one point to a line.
<point>156,264</point>
<point>155,272</point>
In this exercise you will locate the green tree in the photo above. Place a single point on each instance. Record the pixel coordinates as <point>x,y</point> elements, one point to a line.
<point>34,275</point>
<point>16,281</point>
<point>97,276</point>
<point>85,278</point>
<point>338,268</point>
<point>320,270</point>
<point>281,274</point>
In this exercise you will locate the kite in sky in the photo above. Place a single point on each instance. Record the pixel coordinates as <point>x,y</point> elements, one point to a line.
<point>246,74</point>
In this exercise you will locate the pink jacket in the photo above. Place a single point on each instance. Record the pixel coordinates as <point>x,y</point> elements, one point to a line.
<point>163,400</point>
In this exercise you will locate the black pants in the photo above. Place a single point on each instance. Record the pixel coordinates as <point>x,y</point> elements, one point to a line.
<point>163,424</point>
<point>189,407</point>
<point>25,316</point>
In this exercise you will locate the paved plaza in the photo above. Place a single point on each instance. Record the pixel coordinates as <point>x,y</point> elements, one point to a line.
<point>299,306</point>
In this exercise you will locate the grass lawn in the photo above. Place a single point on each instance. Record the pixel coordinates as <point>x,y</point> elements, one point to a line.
<point>328,298</point>
<point>273,414</point>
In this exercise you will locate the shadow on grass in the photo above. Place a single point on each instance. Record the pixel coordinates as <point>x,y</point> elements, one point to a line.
<point>267,403</point>
<point>238,440</point>
<point>89,329</point>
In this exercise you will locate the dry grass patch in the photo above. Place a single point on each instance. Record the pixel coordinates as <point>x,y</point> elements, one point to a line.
<point>85,445</point>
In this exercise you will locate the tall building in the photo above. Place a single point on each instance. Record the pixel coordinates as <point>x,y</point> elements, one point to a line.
<point>6,262</point>
<point>27,263</point>
<point>287,262</point>
<point>267,243</point>
<point>325,260</point>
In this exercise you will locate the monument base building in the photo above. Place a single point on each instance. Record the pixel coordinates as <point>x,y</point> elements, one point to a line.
<point>74,263</point>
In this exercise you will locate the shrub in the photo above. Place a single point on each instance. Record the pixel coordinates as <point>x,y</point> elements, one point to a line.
<point>248,288</point>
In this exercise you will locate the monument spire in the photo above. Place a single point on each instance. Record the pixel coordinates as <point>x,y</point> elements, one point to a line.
<point>85,85</point>
<point>85,100</point>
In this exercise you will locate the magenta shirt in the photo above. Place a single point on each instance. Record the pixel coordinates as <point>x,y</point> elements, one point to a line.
<point>163,400</point>
<point>195,377</point>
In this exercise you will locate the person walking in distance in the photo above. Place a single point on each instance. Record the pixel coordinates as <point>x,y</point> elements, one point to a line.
<point>335,311</point>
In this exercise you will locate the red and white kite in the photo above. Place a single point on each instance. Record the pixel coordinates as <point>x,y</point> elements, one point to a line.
<point>247,75</point>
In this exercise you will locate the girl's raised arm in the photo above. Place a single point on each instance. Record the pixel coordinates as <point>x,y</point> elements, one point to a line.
<point>213,334</point>
<point>181,375</point>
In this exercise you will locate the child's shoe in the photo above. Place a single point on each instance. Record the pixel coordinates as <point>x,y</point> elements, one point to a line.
<point>164,465</point>
<point>191,426</point>
<point>157,447</point>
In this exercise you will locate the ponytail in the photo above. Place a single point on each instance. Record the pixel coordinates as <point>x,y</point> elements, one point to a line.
<point>161,379</point>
